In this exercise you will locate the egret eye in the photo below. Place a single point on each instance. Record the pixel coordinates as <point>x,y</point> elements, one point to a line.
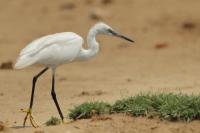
<point>119,35</point>
<point>110,31</point>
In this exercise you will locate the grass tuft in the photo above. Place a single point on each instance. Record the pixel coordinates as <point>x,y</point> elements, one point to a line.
<point>137,105</point>
<point>167,106</point>
<point>53,121</point>
<point>88,109</point>
<point>178,107</point>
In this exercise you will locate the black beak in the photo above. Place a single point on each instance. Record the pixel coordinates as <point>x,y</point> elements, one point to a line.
<point>119,35</point>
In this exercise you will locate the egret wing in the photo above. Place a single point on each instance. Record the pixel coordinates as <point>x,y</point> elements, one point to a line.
<point>43,42</point>
<point>27,55</point>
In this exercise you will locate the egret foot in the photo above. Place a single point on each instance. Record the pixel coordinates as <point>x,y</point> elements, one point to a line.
<point>29,114</point>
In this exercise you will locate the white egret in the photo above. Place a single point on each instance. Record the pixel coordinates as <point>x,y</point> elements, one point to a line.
<point>56,49</point>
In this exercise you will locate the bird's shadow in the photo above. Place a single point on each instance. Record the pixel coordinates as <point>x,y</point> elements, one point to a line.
<point>20,127</point>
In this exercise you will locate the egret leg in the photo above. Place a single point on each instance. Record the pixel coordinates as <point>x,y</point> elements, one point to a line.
<point>29,112</point>
<point>53,94</point>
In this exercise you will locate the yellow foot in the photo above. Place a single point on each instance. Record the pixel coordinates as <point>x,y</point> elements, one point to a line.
<point>29,114</point>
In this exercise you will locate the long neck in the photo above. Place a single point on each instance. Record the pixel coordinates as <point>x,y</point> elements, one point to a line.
<point>93,46</point>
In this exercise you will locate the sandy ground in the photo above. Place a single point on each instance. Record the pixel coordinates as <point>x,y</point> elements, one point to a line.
<point>116,124</point>
<point>165,58</point>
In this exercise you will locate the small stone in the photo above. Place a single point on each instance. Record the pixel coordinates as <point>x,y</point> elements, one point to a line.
<point>2,126</point>
<point>6,65</point>
<point>106,1</point>
<point>161,45</point>
<point>84,93</point>
<point>67,6</point>
<point>98,14</point>
<point>188,25</point>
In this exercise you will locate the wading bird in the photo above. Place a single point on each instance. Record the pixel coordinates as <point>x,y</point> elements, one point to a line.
<point>57,49</point>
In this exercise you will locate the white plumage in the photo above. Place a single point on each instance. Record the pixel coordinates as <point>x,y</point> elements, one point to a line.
<point>51,50</point>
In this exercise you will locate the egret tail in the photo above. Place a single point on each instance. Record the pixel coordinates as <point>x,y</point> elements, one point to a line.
<point>24,61</point>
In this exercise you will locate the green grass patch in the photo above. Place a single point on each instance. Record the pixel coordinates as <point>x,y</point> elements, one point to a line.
<point>53,121</point>
<point>87,110</point>
<point>166,106</point>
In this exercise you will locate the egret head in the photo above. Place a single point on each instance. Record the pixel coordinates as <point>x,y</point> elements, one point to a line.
<point>103,28</point>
